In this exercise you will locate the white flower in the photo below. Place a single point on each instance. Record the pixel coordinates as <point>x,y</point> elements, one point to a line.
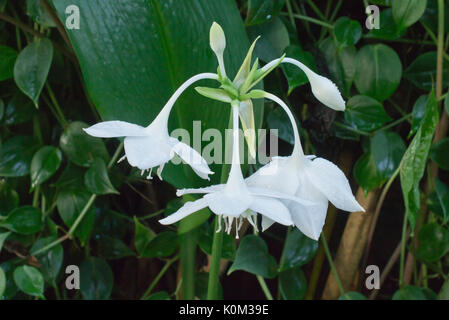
<point>152,146</point>
<point>235,199</point>
<point>322,88</point>
<point>217,41</point>
<point>309,178</point>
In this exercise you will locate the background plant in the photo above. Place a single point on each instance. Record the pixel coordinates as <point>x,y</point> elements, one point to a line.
<point>59,201</point>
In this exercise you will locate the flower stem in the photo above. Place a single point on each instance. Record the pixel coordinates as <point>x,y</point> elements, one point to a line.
<point>158,277</point>
<point>264,287</point>
<point>331,264</point>
<point>309,19</point>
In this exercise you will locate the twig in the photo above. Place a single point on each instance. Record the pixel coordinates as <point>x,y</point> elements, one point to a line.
<point>58,23</point>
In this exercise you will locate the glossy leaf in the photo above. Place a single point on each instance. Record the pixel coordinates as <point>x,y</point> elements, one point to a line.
<point>253,257</point>
<point>9,199</point>
<point>418,113</point>
<point>295,76</point>
<point>38,14</point>
<point>173,45</point>
<point>293,284</point>
<point>19,109</point>
<point>409,293</point>
<point>142,237</point>
<point>8,57</point>
<point>29,280</point>
<point>10,286</point>
<point>23,220</point>
<point>32,67</point>
<point>81,148</point>
<point>442,192</point>
<point>298,250</point>
<point>439,153</point>
<point>260,11</point>
<point>378,71</point>
<point>433,242</point>
<point>97,179</point>
<point>415,158</point>
<point>3,237</point>
<point>388,29</point>
<point>347,31</point>
<point>163,245</point>
<point>112,248</point>
<point>387,149</point>
<point>50,260</point>
<point>365,113</point>
<point>422,72</point>
<point>352,295</point>
<point>407,12</point>
<point>278,120</point>
<point>15,156</point>
<point>44,164</point>
<point>366,173</point>
<point>97,279</point>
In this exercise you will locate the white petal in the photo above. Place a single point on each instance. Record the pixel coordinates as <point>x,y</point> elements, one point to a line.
<point>273,209</point>
<point>223,203</point>
<point>266,223</point>
<point>187,209</point>
<point>191,157</point>
<point>213,188</point>
<point>112,129</point>
<point>147,152</point>
<point>265,192</point>
<point>309,219</point>
<point>331,181</point>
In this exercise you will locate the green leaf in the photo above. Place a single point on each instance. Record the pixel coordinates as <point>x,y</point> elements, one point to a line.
<point>439,153</point>
<point>112,248</point>
<point>442,192</point>
<point>50,260</point>
<point>10,286</point>
<point>253,257</point>
<point>19,109</point>
<point>378,71</point>
<point>409,293</point>
<point>388,29</point>
<point>32,67</point>
<point>298,250</point>
<point>214,93</point>
<point>29,280</point>
<point>201,284</point>
<point>347,31</point>
<point>273,39</point>
<point>292,284</point>
<point>97,178</point>
<point>163,245</point>
<point>2,283</point>
<point>387,149</point>
<point>97,279</point>
<point>24,220</point>
<point>3,237</point>
<point>206,239</point>
<point>45,163</point>
<point>407,12</point>
<point>261,11</point>
<point>2,109</point>
<point>161,295</point>
<point>277,119</point>
<point>38,14</point>
<point>433,242</point>
<point>15,156</point>
<point>295,76</point>
<point>70,202</point>
<point>415,158</point>
<point>430,17</point>
<point>194,220</point>
<point>9,199</point>
<point>422,72</point>
<point>142,237</point>
<point>418,114</point>
<point>352,295</point>
<point>366,173</point>
<point>173,45</point>
<point>365,113</point>
<point>81,148</point>
<point>8,57</point>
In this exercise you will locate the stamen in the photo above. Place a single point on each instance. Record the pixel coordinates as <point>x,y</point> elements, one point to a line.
<point>121,159</point>
<point>226,223</point>
<point>236,229</point>
<point>142,172</point>
<point>149,177</point>
<point>159,171</point>
<point>230,225</point>
<point>250,219</point>
<point>240,224</point>
<point>219,224</point>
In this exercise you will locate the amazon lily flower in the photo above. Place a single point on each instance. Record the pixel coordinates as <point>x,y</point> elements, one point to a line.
<point>235,199</point>
<point>307,177</point>
<point>152,146</point>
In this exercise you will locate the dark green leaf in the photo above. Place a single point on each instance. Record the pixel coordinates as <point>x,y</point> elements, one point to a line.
<point>439,153</point>
<point>81,148</point>
<point>10,288</point>
<point>15,156</point>
<point>442,192</point>
<point>407,12</point>
<point>51,260</point>
<point>194,220</point>
<point>201,283</point>
<point>36,12</point>
<point>365,113</point>
<point>387,149</point>
<point>112,248</point>
<point>70,202</point>
<point>45,163</point>
<point>24,220</point>
<point>409,293</point>
<point>96,280</point>
<point>142,237</point>
<point>292,284</point>
<point>97,179</point>
<point>2,283</point>
<point>260,11</point>
<point>29,280</point>
<point>422,71</point>
<point>19,109</point>
<point>366,173</point>
<point>8,57</point>
<point>206,239</point>
<point>388,29</point>
<point>163,245</point>
<point>3,237</point>
<point>433,242</point>
<point>298,250</point>
<point>295,76</point>
<point>278,120</point>
<point>348,32</point>
<point>161,295</point>
<point>352,295</point>
<point>378,71</point>
<point>253,257</point>
<point>9,199</point>
<point>418,114</point>
<point>32,67</point>
<point>430,17</point>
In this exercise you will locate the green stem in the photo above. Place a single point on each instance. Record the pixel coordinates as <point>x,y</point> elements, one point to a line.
<point>188,250</point>
<point>264,287</point>
<point>316,10</point>
<point>158,277</point>
<point>342,125</point>
<point>403,244</point>
<point>36,196</point>
<point>331,264</point>
<point>394,123</point>
<point>56,104</point>
<point>309,19</point>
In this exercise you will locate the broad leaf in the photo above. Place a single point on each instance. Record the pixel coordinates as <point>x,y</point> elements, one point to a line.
<point>418,113</point>
<point>8,57</point>
<point>44,164</point>
<point>15,156</point>
<point>347,31</point>
<point>298,250</point>
<point>260,11</point>
<point>19,109</point>
<point>422,72</point>
<point>366,173</point>
<point>24,220</point>
<point>9,199</point>
<point>50,260</point>
<point>29,280</point>
<point>295,76</point>
<point>293,284</point>
<point>97,179</point>
<point>97,279</point>
<point>439,153</point>
<point>442,192</point>
<point>433,242</point>
<point>365,113</point>
<point>407,12</point>
<point>387,148</point>
<point>409,293</point>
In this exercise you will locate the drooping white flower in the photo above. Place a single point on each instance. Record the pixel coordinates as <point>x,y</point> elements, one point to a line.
<point>152,146</point>
<point>236,200</point>
<point>307,177</point>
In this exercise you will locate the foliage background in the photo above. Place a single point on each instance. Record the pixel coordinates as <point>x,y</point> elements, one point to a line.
<point>63,201</point>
